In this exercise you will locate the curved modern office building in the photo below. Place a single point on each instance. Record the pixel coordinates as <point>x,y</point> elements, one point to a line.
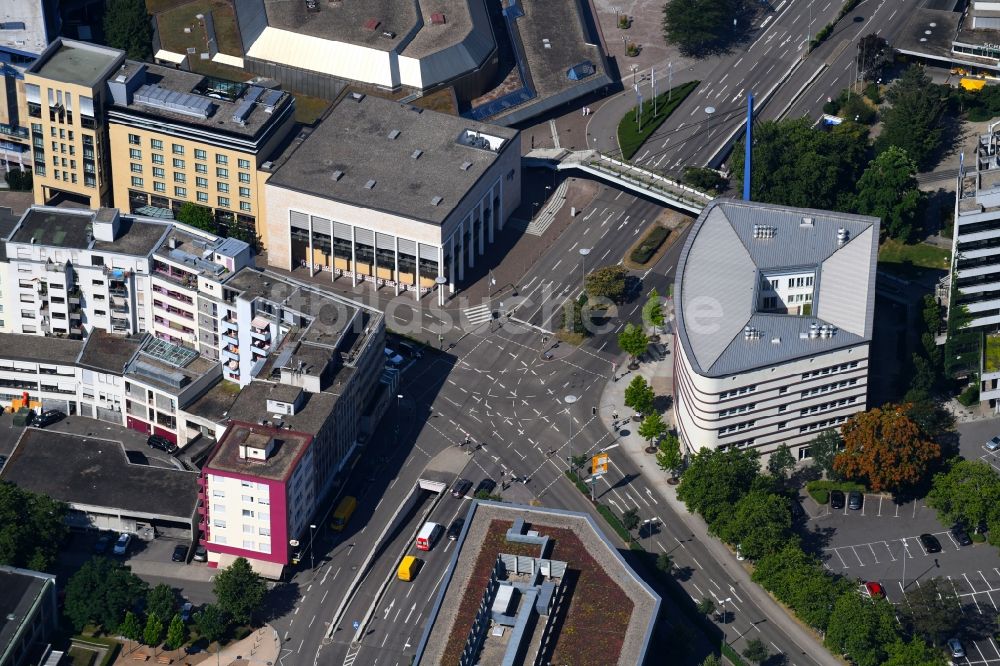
<point>774,309</point>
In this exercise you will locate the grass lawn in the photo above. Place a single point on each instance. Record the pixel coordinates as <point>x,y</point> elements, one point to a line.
<point>81,656</point>
<point>992,361</point>
<point>630,137</point>
<point>919,255</point>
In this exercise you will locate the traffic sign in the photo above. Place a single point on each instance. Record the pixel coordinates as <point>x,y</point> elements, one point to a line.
<point>599,463</point>
<point>356,625</point>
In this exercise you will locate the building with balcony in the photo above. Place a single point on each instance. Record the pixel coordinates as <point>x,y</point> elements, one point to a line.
<point>66,95</point>
<point>774,309</point>
<point>382,191</point>
<point>178,137</point>
<point>29,616</point>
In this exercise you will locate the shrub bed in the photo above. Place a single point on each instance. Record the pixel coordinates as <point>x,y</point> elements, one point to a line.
<point>820,490</point>
<point>631,137</point>
<point>650,244</point>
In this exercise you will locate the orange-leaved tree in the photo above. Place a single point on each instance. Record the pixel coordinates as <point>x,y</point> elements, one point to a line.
<point>884,446</point>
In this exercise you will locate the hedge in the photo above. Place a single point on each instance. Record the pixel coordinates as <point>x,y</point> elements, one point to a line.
<point>732,655</point>
<point>650,244</point>
<point>820,490</point>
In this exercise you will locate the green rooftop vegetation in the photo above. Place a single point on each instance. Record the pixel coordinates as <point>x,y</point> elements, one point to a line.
<point>991,360</point>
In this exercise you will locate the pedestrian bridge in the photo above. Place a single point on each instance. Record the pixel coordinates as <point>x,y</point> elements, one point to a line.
<point>622,174</point>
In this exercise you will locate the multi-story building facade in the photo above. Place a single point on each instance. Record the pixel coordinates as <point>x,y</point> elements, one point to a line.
<point>382,191</point>
<point>774,310</point>
<point>178,137</point>
<point>65,92</point>
<point>29,617</point>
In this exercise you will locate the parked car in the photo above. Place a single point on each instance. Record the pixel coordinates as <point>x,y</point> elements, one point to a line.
<point>455,528</point>
<point>955,646</point>
<point>121,546</point>
<point>836,499</point>
<point>392,358</point>
<point>48,417</point>
<point>993,444</point>
<point>102,544</point>
<point>461,488</point>
<point>186,610</point>
<point>930,543</point>
<point>180,553</point>
<point>855,500</point>
<point>959,533</point>
<point>874,590</point>
<point>161,443</point>
<point>486,485</point>
<point>200,554</point>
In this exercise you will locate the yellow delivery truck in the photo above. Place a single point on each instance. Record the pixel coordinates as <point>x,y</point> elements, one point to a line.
<point>408,568</point>
<point>343,513</point>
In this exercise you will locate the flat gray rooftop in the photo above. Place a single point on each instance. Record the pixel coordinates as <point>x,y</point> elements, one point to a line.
<point>559,22</point>
<point>221,117</point>
<point>253,284</point>
<point>43,349</point>
<point>95,472</point>
<point>20,592</point>
<point>354,140</point>
<point>76,62</point>
<point>913,36</point>
<point>251,406</point>
<point>345,21</point>
<point>104,351</point>
<point>71,228</point>
<point>289,447</point>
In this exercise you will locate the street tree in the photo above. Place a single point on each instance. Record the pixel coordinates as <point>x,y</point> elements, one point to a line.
<point>668,455</point>
<point>633,341</point>
<point>631,520</point>
<point>32,528</point>
<point>914,120</point>
<point>888,190</point>
<point>700,27</point>
<point>715,480</point>
<point>886,448</point>
<point>652,311</point>
<point>780,462</point>
<point>607,282</point>
<point>162,601</point>
<point>862,628</point>
<point>967,492</point>
<point>176,633</point>
<point>129,628</point>
<point>824,449</point>
<point>153,633</point>
<point>800,581</point>
<point>652,427</point>
<point>916,652</point>
<point>579,461</point>
<point>704,179</point>
<point>239,590</point>
<point>639,395</point>
<point>199,217</point>
<point>706,606</point>
<point>874,53</point>
<point>760,523</point>
<point>664,562</point>
<point>711,660</point>
<point>211,623</point>
<point>756,651</point>
<point>932,610</point>
<point>127,27</point>
<point>100,592</point>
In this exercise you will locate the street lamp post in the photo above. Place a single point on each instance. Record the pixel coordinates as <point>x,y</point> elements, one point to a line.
<point>584,251</point>
<point>570,399</point>
<point>441,282</point>
<point>709,110</point>
<point>312,553</point>
<point>725,618</point>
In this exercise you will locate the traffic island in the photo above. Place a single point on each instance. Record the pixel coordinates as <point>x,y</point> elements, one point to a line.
<point>632,134</point>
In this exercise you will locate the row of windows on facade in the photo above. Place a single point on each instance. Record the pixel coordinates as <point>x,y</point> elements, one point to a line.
<point>262,547</point>
<point>793,283</point>
<point>771,302</point>
<point>220,171</point>
<point>200,181</point>
<point>178,149</point>
<point>843,367</point>
<point>824,407</point>
<point>202,197</point>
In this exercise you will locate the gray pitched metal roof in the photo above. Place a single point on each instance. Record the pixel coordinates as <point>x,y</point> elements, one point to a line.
<point>720,268</point>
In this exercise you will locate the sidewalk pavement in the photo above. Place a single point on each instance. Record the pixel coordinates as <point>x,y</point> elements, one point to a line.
<point>660,376</point>
<point>260,648</point>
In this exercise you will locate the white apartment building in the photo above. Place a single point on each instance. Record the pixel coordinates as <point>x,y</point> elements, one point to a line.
<point>774,310</point>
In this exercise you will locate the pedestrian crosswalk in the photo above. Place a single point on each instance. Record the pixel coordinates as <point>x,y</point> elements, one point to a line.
<point>477,315</point>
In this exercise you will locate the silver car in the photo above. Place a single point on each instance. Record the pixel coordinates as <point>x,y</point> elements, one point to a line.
<point>957,651</point>
<point>993,444</point>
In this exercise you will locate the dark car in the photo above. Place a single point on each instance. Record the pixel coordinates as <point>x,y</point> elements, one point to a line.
<point>836,499</point>
<point>930,543</point>
<point>855,500</point>
<point>455,528</point>
<point>180,553</point>
<point>959,533</point>
<point>161,443</point>
<point>485,486</point>
<point>102,544</point>
<point>48,417</point>
<point>461,488</point>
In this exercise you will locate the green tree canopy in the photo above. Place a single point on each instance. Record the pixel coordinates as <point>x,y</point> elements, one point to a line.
<point>933,610</point>
<point>130,628</point>
<point>161,600</point>
<point>199,217</point>
<point>780,462</point>
<point>800,581</point>
<point>652,427</point>
<point>888,190</point>
<point>176,633</point>
<point>127,27</point>
<point>652,311</point>
<point>756,651</point>
<point>633,340</point>
<point>874,53</point>
<point>639,395</point>
<point>715,480</point>
<point>630,519</point>
<point>706,606</point>
<point>32,528</point>
<point>913,653</point>
<point>914,121</point>
<point>967,492</point>
<point>824,449</point>
<point>239,590</point>
<point>795,165</point>
<point>704,179</point>
<point>664,562</point>
<point>607,282</point>
<point>211,623</point>
<point>153,633</point>
<point>862,628</point>
<point>100,592</point>
<point>760,524</point>
<point>668,455</point>
<point>700,27</point>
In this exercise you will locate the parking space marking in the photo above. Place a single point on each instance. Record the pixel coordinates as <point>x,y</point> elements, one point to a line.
<point>856,555</point>
<point>880,506</point>
<point>842,562</point>
<point>873,553</point>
